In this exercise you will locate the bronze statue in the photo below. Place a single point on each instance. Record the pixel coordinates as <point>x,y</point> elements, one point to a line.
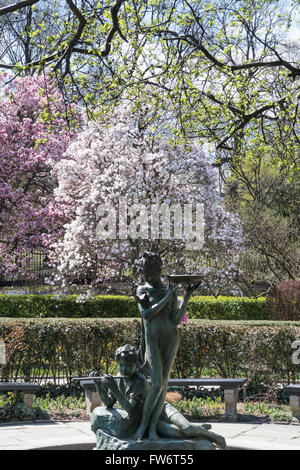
<point>161,313</point>
<point>144,408</point>
<point>130,391</point>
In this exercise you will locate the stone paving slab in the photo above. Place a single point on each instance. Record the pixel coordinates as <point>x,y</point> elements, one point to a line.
<point>36,435</point>
<point>278,431</point>
<point>27,436</point>
<point>232,430</point>
<point>260,436</point>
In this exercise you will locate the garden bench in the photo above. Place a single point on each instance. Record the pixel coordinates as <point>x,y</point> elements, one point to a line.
<point>230,387</point>
<point>294,393</point>
<point>28,389</point>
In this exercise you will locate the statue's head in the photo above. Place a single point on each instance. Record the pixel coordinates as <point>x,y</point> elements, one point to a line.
<point>149,266</point>
<point>127,359</point>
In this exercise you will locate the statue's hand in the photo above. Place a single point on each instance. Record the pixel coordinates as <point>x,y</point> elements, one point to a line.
<point>110,383</point>
<point>191,288</point>
<point>142,300</point>
<point>94,373</point>
<point>175,289</point>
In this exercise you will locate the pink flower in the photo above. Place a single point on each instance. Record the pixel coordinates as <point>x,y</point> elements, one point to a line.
<point>34,133</point>
<point>185,318</point>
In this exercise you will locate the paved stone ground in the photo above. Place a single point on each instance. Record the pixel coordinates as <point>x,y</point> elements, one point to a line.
<point>25,436</point>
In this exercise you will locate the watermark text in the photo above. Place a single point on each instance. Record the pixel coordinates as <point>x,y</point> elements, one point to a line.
<point>156,221</point>
<point>296,354</point>
<point>2,353</point>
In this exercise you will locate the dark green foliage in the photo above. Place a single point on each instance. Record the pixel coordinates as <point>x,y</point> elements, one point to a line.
<point>69,306</point>
<point>228,308</point>
<point>70,389</point>
<point>54,348</point>
<point>13,408</point>
<point>113,306</point>
<point>64,348</point>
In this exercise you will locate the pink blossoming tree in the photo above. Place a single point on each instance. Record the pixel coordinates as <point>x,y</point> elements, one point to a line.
<point>35,131</point>
<point>116,160</point>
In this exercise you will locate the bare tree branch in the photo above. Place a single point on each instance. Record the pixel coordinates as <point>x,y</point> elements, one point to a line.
<point>115,28</point>
<point>64,56</point>
<point>196,44</point>
<point>17,6</point>
<point>82,22</point>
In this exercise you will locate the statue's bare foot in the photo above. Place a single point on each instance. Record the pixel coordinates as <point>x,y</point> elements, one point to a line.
<point>138,436</point>
<point>153,436</point>
<point>220,441</point>
<point>206,426</point>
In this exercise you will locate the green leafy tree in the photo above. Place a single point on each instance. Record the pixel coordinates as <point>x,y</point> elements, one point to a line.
<point>267,197</point>
<point>224,72</point>
<point>218,67</point>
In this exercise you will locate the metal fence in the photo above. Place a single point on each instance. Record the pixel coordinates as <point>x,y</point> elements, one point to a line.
<point>37,270</point>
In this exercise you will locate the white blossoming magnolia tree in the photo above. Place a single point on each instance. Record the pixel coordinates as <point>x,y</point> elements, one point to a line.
<point>117,178</point>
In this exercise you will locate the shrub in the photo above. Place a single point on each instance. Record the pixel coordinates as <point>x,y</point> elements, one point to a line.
<point>13,408</point>
<point>116,306</point>
<point>69,306</point>
<point>283,300</point>
<point>43,348</point>
<point>63,348</point>
<point>228,308</point>
<point>197,408</point>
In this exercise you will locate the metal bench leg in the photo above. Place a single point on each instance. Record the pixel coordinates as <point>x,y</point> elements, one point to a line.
<point>92,400</point>
<point>28,399</point>
<point>230,397</point>
<point>295,407</point>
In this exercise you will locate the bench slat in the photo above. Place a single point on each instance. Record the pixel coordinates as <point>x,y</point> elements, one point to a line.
<point>228,384</point>
<point>18,386</point>
<point>225,383</point>
<point>292,389</point>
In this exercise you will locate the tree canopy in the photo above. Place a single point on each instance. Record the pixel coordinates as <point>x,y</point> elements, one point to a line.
<point>223,73</point>
<point>227,71</point>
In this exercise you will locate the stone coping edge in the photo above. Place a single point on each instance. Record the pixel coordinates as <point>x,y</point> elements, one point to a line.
<point>81,443</point>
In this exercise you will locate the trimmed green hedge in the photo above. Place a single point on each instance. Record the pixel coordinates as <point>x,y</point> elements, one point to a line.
<point>228,308</point>
<point>42,348</point>
<point>69,306</point>
<point>110,306</point>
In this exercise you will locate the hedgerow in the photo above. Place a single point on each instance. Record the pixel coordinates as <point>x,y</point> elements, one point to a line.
<point>67,306</point>
<point>109,306</point>
<point>63,348</point>
<point>228,308</point>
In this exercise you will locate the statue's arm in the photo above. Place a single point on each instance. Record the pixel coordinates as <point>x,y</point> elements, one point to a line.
<point>180,311</point>
<point>128,405</point>
<point>149,312</point>
<point>138,393</point>
<point>105,397</point>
